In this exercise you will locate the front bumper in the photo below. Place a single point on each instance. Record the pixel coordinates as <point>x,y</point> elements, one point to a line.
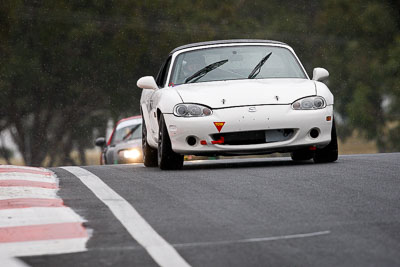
<point>239,119</point>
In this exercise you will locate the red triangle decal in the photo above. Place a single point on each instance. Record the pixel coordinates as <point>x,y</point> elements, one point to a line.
<point>219,125</point>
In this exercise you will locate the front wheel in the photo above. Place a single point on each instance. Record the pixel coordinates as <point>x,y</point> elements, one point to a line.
<point>167,158</point>
<point>149,153</point>
<point>330,152</point>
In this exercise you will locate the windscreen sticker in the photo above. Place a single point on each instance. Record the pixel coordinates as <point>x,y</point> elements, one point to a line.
<point>219,125</point>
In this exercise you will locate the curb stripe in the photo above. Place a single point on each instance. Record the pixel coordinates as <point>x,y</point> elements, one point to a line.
<point>6,183</point>
<point>37,216</point>
<point>19,203</point>
<point>23,170</point>
<point>160,250</point>
<point>42,232</point>
<point>33,219</point>
<point>12,192</point>
<point>43,247</point>
<point>27,177</point>
<point>12,262</point>
<point>23,167</point>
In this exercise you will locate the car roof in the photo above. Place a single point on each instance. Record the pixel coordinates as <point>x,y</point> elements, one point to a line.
<point>233,41</point>
<point>129,118</point>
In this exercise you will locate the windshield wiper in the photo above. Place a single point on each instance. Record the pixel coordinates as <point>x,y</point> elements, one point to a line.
<point>257,69</point>
<point>130,132</point>
<point>199,74</point>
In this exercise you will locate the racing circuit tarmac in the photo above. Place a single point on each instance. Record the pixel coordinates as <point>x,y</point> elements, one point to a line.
<point>236,212</point>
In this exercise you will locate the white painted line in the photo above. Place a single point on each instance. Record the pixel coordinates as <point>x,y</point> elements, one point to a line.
<point>37,216</point>
<point>161,251</point>
<point>42,247</point>
<point>251,240</point>
<point>11,192</point>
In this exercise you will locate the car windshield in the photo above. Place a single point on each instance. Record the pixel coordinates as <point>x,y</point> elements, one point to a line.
<point>127,133</point>
<point>241,61</point>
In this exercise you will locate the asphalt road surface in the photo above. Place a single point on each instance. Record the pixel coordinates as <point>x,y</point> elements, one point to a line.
<point>243,212</point>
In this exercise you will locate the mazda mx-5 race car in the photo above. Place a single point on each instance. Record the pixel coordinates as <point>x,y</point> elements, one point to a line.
<point>236,97</point>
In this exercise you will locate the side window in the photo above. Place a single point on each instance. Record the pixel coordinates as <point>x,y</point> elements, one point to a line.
<point>163,73</point>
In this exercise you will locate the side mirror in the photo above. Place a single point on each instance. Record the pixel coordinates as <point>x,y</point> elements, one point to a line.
<point>320,74</point>
<point>147,82</point>
<point>101,141</point>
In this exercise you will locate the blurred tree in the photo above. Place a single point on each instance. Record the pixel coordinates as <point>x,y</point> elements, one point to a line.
<point>391,103</point>
<point>56,74</point>
<point>360,53</point>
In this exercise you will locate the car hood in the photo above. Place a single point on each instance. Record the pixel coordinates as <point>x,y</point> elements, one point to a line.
<point>223,94</point>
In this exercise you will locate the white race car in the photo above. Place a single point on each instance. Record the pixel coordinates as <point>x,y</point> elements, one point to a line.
<point>236,97</point>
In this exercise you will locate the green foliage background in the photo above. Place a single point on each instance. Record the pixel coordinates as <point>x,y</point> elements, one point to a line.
<point>68,66</point>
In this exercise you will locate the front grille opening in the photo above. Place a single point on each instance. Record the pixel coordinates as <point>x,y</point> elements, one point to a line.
<point>254,137</point>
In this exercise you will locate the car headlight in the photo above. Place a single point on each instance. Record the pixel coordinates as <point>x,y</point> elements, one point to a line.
<point>130,154</point>
<point>191,110</point>
<point>308,103</point>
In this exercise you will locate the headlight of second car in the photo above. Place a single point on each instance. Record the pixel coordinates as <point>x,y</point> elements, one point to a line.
<point>308,103</point>
<point>191,110</point>
<point>130,153</point>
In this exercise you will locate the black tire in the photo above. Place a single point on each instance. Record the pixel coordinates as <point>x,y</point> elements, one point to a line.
<point>167,158</point>
<point>302,155</point>
<point>149,153</point>
<point>330,152</point>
